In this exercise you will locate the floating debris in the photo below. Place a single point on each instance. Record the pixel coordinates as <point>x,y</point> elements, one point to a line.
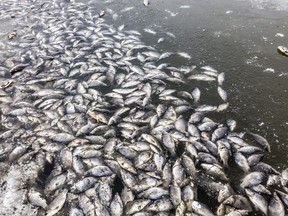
<point>127,9</point>
<point>283,50</point>
<point>279,35</point>
<point>269,70</point>
<point>229,12</point>
<point>150,31</point>
<point>146,2</point>
<point>160,40</point>
<point>171,13</point>
<point>170,34</point>
<point>185,6</point>
<point>101,13</point>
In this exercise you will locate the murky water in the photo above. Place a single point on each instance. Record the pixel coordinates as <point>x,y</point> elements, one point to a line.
<point>237,37</point>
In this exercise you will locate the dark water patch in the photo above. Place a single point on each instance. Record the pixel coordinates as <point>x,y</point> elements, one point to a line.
<point>118,186</point>
<point>180,149</point>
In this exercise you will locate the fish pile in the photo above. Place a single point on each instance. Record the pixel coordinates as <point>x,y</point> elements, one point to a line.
<point>94,122</point>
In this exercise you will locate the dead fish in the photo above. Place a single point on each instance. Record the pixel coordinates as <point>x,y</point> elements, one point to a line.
<point>209,68</point>
<point>165,54</point>
<point>154,193</point>
<point>201,77</point>
<point>261,189</point>
<point>196,117</point>
<point>62,137</point>
<point>56,182</point>
<point>284,177</point>
<point>18,68</point>
<point>218,133</point>
<point>17,153</point>
<point>116,206</point>
<point>86,205</point>
<point>74,211</point>
<point>181,124</point>
<point>225,193</point>
<point>221,78</point>
<point>175,194</point>
<point>36,199</point>
<point>252,179</point>
<point>83,185</point>
<point>262,141</point>
<point>167,174</point>
<point>170,34</point>
<point>178,172</point>
<point>273,180</point>
<point>222,93</point>
<point>206,108</point>
<point>265,168</point>
<point>241,161</point>
<point>104,192</point>
<point>150,31</point>
<point>193,130</point>
<point>126,164</point>
<point>201,209</point>
<point>283,196</point>
<point>66,158</point>
<point>215,171</point>
<point>231,124</point>
<point>163,204</point>
<point>136,206</point>
<point>238,213</point>
<point>196,93</point>
<point>222,107</point>
<point>258,201</point>
<point>99,117</point>
<point>184,54</point>
<point>207,126</point>
<point>57,204</point>
<point>238,202</point>
<point>189,165</point>
<point>169,143</point>
<point>181,209</point>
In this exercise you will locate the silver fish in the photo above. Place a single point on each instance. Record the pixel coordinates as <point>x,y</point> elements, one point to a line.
<point>57,204</point>
<point>258,201</point>
<point>201,209</point>
<point>252,179</point>
<point>262,141</point>
<point>201,77</point>
<point>36,199</point>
